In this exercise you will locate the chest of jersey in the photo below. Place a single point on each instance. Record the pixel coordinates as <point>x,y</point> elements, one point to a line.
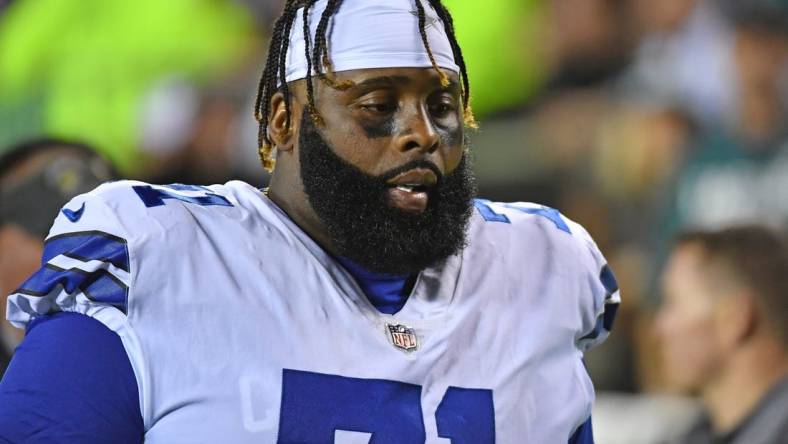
<point>265,339</point>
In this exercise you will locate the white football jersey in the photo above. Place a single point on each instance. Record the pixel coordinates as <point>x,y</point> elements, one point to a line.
<point>241,329</point>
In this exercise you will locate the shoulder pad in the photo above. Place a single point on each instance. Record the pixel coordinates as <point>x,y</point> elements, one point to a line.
<point>598,295</point>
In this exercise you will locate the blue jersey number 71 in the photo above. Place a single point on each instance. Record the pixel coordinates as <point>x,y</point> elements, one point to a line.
<point>315,406</point>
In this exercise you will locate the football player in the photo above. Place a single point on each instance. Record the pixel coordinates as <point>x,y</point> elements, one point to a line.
<point>364,297</point>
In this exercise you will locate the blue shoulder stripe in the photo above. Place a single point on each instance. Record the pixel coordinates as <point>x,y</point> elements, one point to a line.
<point>608,280</point>
<point>88,245</point>
<point>584,434</point>
<point>605,321</point>
<point>97,285</point>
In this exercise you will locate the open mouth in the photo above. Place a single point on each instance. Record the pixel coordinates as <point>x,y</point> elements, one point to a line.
<point>410,187</point>
<point>409,190</point>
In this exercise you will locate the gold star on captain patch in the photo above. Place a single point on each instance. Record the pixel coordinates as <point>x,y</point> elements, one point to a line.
<point>428,20</point>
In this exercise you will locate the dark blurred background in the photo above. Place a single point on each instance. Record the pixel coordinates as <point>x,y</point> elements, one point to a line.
<point>635,118</point>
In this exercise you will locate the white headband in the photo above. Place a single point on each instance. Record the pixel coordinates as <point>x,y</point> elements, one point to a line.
<point>371,34</point>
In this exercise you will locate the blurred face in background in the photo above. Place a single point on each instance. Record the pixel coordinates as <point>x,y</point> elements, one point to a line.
<point>688,323</point>
<point>664,16</point>
<point>760,56</point>
<point>20,256</point>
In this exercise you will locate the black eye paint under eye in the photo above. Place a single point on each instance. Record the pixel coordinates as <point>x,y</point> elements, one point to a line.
<point>450,136</point>
<point>379,130</point>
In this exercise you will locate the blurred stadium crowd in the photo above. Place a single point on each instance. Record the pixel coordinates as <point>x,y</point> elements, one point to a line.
<point>636,118</point>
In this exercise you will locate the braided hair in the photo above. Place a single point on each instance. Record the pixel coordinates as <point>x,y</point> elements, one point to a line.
<point>317,57</point>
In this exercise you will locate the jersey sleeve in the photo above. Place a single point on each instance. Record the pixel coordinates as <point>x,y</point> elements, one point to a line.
<point>86,268</point>
<point>585,286</point>
<point>70,382</point>
<point>600,295</point>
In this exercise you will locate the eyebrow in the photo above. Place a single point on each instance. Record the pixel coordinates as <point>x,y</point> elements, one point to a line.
<point>392,81</point>
<point>382,81</point>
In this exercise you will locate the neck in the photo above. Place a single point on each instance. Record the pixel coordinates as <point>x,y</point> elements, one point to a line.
<point>746,379</point>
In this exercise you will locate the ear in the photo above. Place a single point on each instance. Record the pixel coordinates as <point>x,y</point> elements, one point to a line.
<point>736,319</point>
<point>280,130</point>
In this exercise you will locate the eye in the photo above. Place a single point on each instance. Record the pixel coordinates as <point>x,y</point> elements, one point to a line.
<point>378,107</point>
<point>378,103</point>
<point>443,106</point>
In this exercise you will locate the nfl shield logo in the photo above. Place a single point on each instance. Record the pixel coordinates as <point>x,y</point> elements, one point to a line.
<point>403,337</point>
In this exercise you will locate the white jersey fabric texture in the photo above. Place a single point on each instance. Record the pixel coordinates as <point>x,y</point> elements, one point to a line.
<point>366,34</point>
<point>241,329</point>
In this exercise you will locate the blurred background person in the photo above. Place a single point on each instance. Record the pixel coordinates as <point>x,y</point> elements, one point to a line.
<point>738,169</point>
<point>724,332</point>
<point>36,179</point>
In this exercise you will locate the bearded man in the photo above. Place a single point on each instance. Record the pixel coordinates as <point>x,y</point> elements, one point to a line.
<point>366,296</point>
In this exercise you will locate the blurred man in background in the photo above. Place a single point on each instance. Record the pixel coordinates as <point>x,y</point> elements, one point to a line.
<point>724,331</point>
<point>36,179</point>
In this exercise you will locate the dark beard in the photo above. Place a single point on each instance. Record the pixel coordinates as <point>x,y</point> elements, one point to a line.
<point>354,209</point>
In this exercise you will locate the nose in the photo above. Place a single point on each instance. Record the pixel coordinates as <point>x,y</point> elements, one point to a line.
<point>419,132</point>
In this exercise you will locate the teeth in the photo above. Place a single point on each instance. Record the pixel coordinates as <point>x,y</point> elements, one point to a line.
<point>407,188</point>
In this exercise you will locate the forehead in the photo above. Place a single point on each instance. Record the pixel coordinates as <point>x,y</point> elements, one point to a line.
<point>394,78</point>
<point>687,272</point>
